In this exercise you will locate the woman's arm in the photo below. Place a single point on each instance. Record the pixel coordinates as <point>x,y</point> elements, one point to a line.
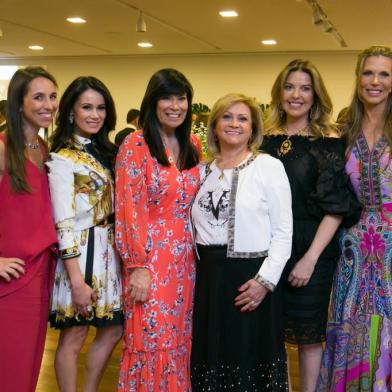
<point>132,217</point>
<point>304,268</point>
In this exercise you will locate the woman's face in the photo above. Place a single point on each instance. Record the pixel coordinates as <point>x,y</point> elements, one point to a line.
<point>89,113</point>
<point>39,104</point>
<point>375,81</point>
<point>171,111</point>
<point>234,127</point>
<point>297,95</point>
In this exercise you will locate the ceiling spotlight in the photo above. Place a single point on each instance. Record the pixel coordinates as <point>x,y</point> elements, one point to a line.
<point>76,19</point>
<point>318,17</point>
<point>228,14</point>
<point>269,42</point>
<point>36,47</point>
<point>141,26</point>
<point>145,44</point>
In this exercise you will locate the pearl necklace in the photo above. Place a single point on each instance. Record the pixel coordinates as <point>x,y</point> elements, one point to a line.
<point>286,146</point>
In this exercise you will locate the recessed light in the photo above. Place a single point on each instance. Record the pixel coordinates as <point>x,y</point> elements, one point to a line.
<point>36,47</point>
<point>269,42</point>
<point>145,44</point>
<point>228,14</point>
<point>76,19</point>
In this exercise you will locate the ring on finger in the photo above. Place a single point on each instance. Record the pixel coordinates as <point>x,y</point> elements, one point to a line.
<point>252,303</point>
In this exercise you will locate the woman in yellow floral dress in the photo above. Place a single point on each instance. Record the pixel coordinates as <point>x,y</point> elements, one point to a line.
<point>87,284</point>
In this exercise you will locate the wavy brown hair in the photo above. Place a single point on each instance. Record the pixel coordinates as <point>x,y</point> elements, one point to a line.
<point>15,139</point>
<point>356,110</point>
<point>320,121</point>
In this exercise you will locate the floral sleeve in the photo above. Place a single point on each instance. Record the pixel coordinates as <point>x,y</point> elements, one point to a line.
<point>131,202</point>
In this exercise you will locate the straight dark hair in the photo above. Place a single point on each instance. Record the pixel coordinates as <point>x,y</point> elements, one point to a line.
<point>65,128</point>
<point>15,139</point>
<point>165,82</point>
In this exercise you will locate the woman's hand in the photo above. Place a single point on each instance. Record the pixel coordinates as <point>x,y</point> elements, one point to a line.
<point>252,294</point>
<point>302,272</point>
<point>83,296</point>
<point>11,268</point>
<point>139,284</point>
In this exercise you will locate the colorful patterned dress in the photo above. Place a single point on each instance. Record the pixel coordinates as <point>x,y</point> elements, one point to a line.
<point>82,192</point>
<point>358,355</point>
<point>153,231</point>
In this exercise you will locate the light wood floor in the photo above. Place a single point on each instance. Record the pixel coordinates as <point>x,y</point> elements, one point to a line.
<point>47,380</point>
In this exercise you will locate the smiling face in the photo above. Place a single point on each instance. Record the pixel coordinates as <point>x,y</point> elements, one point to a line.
<point>375,80</point>
<point>89,113</point>
<point>39,104</point>
<point>234,127</point>
<point>171,111</point>
<point>297,95</point>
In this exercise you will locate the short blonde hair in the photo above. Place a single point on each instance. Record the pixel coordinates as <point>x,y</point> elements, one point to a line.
<point>223,104</point>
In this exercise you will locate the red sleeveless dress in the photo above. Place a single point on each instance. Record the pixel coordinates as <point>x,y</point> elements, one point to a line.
<point>26,232</point>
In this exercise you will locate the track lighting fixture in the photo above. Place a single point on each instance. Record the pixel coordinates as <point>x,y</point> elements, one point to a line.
<point>141,26</point>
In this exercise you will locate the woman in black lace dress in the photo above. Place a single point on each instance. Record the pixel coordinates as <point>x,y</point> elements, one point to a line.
<point>300,133</point>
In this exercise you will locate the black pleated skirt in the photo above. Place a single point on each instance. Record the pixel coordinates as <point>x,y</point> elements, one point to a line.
<point>231,350</point>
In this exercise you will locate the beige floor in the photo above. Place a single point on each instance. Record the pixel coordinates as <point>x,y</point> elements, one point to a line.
<point>47,380</point>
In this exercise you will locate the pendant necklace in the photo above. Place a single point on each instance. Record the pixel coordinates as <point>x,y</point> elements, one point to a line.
<point>287,145</point>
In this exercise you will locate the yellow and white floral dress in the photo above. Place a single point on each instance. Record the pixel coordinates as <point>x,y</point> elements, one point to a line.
<point>82,201</point>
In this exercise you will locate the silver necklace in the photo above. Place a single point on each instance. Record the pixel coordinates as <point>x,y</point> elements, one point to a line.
<point>33,146</point>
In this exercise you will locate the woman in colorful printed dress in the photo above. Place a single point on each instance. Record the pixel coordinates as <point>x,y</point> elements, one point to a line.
<point>300,133</point>
<point>156,180</point>
<point>243,229</point>
<point>27,234</point>
<point>358,354</point>
<point>87,286</point>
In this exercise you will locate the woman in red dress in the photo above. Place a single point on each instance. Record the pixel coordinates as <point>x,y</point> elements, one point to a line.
<point>156,182</point>
<point>27,234</point>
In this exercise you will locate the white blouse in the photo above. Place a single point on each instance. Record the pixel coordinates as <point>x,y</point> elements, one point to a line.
<point>249,210</point>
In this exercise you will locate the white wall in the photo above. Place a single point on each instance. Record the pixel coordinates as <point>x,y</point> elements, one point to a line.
<point>211,75</point>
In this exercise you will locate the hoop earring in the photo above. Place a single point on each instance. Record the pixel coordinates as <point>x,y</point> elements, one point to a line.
<point>71,118</point>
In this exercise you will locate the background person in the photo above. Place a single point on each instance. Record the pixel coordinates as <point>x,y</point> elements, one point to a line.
<point>132,124</point>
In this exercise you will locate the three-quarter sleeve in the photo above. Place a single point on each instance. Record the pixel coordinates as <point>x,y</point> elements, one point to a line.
<point>333,194</point>
<point>278,196</point>
<point>131,202</point>
<point>62,190</point>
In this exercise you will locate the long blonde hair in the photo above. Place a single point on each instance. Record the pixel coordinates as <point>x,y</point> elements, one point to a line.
<point>320,115</point>
<point>221,105</point>
<point>356,110</point>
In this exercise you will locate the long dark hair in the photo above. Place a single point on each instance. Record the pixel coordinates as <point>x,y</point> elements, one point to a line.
<point>65,129</point>
<point>165,82</point>
<point>15,139</point>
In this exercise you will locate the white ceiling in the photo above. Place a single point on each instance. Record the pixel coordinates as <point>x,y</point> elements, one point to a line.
<point>187,26</point>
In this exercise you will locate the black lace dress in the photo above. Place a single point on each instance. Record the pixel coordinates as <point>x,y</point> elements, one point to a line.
<point>319,186</point>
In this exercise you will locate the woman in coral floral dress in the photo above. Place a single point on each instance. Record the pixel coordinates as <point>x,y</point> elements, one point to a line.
<point>156,182</point>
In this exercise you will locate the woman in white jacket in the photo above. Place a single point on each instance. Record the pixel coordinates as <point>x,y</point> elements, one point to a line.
<point>243,227</point>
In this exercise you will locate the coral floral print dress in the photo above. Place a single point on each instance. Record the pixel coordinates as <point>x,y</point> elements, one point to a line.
<point>153,231</point>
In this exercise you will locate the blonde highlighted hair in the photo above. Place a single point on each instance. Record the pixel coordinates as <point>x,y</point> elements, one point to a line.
<point>320,115</point>
<point>220,107</point>
<point>356,109</point>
